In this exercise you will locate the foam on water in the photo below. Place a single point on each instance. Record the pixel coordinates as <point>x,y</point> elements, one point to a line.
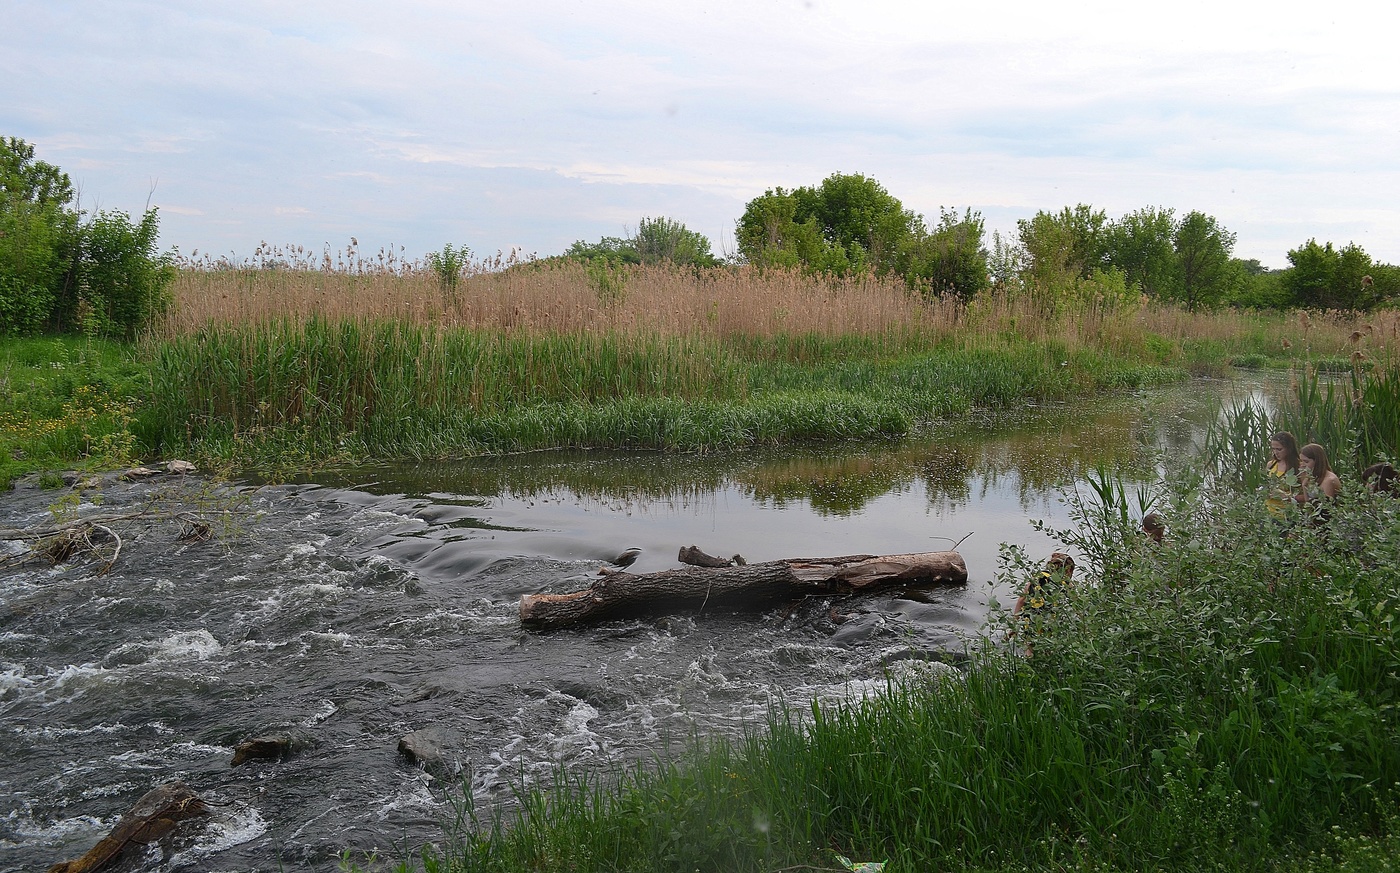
<point>231,826</point>
<point>199,645</point>
<point>327,710</point>
<point>13,680</point>
<point>53,833</point>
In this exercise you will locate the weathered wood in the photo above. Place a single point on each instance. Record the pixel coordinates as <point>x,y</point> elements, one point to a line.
<point>694,557</point>
<point>620,594</point>
<point>153,817</point>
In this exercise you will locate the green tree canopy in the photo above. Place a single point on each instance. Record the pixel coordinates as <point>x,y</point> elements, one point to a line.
<point>656,240</point>
<point>665,239</point>
<point>951,258</point>
<point>58,272</point>
<point>1331,278</point>
<point>1142,245</point>
<point>1064,246</point>
<point>1203,250</point>
<point>847,224</point>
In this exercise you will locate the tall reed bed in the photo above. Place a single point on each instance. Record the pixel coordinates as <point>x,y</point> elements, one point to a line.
<point>355,355</point>
<point>249,393</point>
<point>1228,704</point>
<point>726,302</point>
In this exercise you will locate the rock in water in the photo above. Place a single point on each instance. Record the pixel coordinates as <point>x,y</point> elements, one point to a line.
<point>152,818</point>
<point>273,747</point>
<point>424,747</point>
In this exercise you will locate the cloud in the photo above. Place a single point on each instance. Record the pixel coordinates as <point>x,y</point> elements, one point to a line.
<point>550,122</point>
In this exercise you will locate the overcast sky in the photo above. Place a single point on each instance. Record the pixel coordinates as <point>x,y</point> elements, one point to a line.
<point>533,124</point>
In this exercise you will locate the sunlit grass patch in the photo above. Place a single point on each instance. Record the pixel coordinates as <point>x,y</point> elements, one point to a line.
<point>68,403</point>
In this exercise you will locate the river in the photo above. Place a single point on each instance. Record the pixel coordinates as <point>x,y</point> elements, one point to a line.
<point>348,610</point>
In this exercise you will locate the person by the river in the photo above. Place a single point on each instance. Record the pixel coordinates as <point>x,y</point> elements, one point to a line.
<point>1154,527</point>
<point>1379,479</point>
<point>1315,478</point>
<point>1038,599</point>
<point>1283,466</point>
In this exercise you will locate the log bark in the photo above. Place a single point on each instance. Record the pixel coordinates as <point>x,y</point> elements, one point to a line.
<point>621,594</point>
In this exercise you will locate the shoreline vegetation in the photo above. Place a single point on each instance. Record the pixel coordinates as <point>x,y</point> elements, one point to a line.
<point>282,367</point>
<point>1227,701</point>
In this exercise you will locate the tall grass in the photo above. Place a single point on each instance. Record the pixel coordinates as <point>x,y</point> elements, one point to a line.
<point>729,302</point>
<point>332,390</point>
<point>336,355</point>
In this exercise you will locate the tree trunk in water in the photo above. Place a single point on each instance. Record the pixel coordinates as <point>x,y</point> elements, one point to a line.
<point>751,585</point>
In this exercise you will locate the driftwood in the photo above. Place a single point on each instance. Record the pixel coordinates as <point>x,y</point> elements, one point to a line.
<point>619,593</point>
<point>153,817</point>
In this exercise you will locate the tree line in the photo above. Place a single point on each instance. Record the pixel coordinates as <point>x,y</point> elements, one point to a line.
<point>63,269</point>
<point>66,270</point>
<point>850,224</point>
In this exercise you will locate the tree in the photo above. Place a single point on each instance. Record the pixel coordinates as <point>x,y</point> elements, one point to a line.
<point>124,280</point>
<point>770,235</point>
<point>664,239</point>
<point>847,224</point>
<point>1331,278</point>
<point>1062,247</point>
<point>61,273</point>
<point>38,237</point>
<point>1203,250</point>
<point>1141,244</point>
<point>657,240</point>
<point>30,180</point>
<point>951,258</point>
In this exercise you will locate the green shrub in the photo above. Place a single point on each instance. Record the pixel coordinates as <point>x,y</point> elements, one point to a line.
<point>124,283</point>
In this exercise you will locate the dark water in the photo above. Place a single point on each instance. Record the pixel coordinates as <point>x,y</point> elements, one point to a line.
<point>352,610</point>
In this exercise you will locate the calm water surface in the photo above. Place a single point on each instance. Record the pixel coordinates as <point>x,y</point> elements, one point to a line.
<point>351,610</point>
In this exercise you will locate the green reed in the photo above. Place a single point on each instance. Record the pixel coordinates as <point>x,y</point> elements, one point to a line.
<point>1355,417</point>
<point>301,394</point>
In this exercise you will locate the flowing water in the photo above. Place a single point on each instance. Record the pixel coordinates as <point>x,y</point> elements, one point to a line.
<point>349,611</point>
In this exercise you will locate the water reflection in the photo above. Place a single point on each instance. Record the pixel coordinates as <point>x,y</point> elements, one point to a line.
<point>976,480</point>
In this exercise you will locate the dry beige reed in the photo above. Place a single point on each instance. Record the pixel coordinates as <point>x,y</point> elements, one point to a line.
<point>567,297</point>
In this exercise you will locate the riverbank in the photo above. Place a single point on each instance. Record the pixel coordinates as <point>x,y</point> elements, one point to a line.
<point>1226,703</point>
<point>278,392</point>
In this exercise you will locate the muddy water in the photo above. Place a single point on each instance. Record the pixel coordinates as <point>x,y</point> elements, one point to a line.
<point>349,611</point>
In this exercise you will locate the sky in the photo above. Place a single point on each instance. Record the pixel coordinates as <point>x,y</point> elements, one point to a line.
<point>525,126</point>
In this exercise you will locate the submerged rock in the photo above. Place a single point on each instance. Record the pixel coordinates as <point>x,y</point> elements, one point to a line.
<point>425,748</point>
<point>152,819</point>
<point>276,744</point>
<point>272,747</point>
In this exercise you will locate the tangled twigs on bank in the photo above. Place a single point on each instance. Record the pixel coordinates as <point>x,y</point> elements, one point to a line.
<point>97,536</point>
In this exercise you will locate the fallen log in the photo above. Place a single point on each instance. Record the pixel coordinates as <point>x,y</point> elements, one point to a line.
<point>619,594</point>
